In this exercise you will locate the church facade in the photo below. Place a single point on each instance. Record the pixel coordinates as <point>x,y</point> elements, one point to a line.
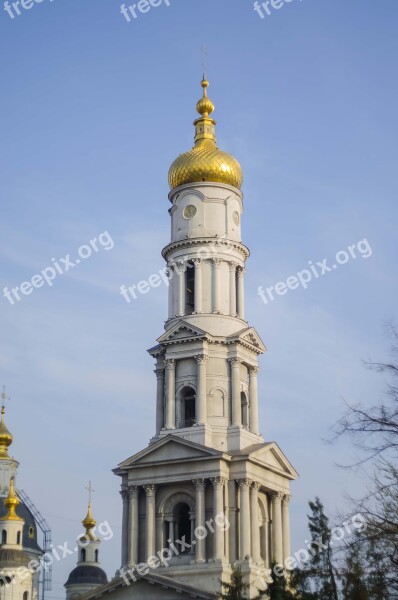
<point>208,493</point>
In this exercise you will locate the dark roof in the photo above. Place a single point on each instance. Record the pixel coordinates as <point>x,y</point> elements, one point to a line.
<point>28,542</point>
<point>87,574</point>
<point>13,558</point>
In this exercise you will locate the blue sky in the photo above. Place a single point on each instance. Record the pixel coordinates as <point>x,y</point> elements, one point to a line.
<point>94,111</point>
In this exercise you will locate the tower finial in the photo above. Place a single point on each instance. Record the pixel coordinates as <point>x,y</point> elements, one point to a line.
<point>204,61</point>
<point>5,435</point>
<point>89,522</point>
<point>11,503</point>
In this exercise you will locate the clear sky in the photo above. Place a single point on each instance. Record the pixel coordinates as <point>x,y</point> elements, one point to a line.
<point>93,111</point>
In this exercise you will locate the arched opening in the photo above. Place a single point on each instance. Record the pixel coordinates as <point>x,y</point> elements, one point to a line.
<point>96,556</point>
<point>25,596</point>
<point>190,289</point>
<point>4,536</point>
<point>18,537</point>
<point>83,555</point>
<point>245,410</point>
<point>188,407</point>
<point>183,524</point>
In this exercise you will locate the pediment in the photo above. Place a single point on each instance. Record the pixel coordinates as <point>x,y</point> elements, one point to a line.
<point>170,448</point>
<point>250,338</point>
<point>182,332</point>
<point>273,457</point>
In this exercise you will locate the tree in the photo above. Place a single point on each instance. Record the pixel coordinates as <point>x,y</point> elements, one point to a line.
<point>279,589</point>
<point>236,588</point>
<point>354,577</point>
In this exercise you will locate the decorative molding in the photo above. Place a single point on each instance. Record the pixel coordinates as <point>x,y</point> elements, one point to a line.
<point>199,484</point>
<point>149,489</point>
<point>133,491</point>
<point>256,485</point>
<point>170,363</point>
<point>244,482</point>
<point>244,251</point>
<point>254,370</point>
<point>218,481</point>
<point>217,262</point>
<point>124,494</point>
<point>201,359</point>
<point>287,498</point>
<point>234,362</point>
<point>277,496</point>
<point>159,373</point>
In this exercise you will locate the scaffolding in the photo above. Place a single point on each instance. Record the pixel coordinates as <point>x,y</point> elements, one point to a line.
<point>45,574</point>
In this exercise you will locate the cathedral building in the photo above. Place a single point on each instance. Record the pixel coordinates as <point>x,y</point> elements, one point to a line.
<point>207,476</point>
<point>19,546</point>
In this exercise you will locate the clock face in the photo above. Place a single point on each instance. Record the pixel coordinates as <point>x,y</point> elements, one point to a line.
<point>190,211</point>
<point>236,218</point>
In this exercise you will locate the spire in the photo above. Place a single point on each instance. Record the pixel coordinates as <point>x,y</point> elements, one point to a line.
<point>5,435</point>
<point>89,522</point>
<point>11,503</point>
<point>205,126</point>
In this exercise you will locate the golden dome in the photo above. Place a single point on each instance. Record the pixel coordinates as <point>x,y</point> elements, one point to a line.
<point>89,523</point>
<point>5,437</point>
<point>11,503</point>
<point>205,162</point>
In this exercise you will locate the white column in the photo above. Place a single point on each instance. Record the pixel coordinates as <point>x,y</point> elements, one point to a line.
<point>170,394</point>
<point>181,288</point>
<point>241,293</point>
<point>267,542</point>
<point>218,509</point>
<point>133,491</point>
<point>171,275</point>
<point>253,400</point>
<point>232,289</point>
<point>244,518</point>
<point>198,286</point>
<point>171,537</point>
<point>125,527</point>
<point>232,517</point>
<point>200,517</point>
<point>277,544</point>
<point>201,392</point>
<point>159,400</point>
<point>286,526</point>
<point>235,383</point>
<point>150,521</point>
<point>216,285</point>
<point>160,541</point>
<point>255,522</point>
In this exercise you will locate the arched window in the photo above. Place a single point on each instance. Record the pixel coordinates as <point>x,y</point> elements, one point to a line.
<point>18,537</point>
<point>4,536</point>
<point>190,289</point>
<point>188,407</point>
<point>183,523</point>
<point>96,556</point>
<point>245,410</point>
<point>25,596</point>
<point>83,555</point>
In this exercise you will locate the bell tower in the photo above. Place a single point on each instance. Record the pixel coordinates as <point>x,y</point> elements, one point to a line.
<point>207,476</point>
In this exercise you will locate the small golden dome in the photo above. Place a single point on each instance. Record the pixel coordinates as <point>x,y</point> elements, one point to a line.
<point>11,503</point>
<point>89,523</point>
<point>205,162</point>
<point>5,437</point>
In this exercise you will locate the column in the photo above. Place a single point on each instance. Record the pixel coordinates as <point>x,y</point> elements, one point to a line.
<point>255,522</point>
<point>171,394</point>
<point>235,383</point>
<point>200,517</point>
<point>125,527</point>
<point>198,286</point>
<point>277,544</point>
<point>160,541</point>
<point>133,492</point>
<point>150,521</point>
<point>218,509</point>
<point>267,560</point>
<point>232,289</point>
<point>216,285</point>
<point>241,292</point>
<point>201,395</point>
<point>159,400</point>
<point>286,526</point>
<point>232,517</point>
<point>253,399</point>
<point>181,288</point>
<point>171,538</point>
<point>171,274</point>
<point>244,518</point>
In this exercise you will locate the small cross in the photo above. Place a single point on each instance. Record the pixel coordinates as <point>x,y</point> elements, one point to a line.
<point>204,60</point>
<point>90,491</point>
<point>4,397</point>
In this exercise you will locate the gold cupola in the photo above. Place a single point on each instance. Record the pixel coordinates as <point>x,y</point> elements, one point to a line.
<point>89,523</point>
<point>11,503</point>
<point>205,162</point>
<point>5,435</point>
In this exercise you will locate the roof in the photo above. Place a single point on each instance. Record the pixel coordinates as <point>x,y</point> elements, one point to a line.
<point>87,574</point>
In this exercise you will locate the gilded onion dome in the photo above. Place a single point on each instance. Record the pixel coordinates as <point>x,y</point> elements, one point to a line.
<point>11,503</point>
<point>89,523</point>
<point>205,162</point>
<point>5,436</point>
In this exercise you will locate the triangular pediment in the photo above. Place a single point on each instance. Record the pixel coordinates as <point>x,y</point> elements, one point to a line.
<point>182,332</point>
<point>250,338</point>
<point>168,449</point>
<point>273,457</point>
